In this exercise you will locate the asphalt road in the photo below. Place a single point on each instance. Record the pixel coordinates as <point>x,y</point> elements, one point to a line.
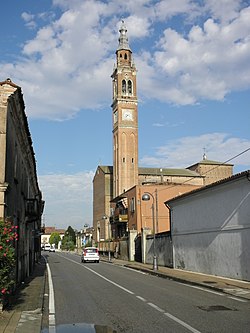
<point>130,301</point>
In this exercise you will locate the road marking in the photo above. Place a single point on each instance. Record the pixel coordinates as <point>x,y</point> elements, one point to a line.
<point>141,298</point>
<point>204,289</point>
<point>156,307</point>
<point>52,319</point>
<point>110,281</point>
<point>217,292</point>
<point>182,323</point>
<point>238,299</point>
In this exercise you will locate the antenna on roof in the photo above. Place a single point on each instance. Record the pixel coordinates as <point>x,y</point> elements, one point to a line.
<point>204,154</point>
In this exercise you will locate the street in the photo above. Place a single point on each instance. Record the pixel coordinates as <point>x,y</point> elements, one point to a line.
<point>131,301</point>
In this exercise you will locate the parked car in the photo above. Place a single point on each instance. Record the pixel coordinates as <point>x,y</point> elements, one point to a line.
<point>90,254</point>
<point>52,248</point>
<point>47,247</point>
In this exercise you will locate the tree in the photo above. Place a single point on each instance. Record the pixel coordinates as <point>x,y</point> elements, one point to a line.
<point>55,239</point>
<point>69,239</point>
<point>71,233</point>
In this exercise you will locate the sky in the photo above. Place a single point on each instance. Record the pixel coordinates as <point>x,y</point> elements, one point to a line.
<point>193,85</point>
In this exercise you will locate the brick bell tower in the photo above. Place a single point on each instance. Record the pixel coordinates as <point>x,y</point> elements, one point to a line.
<point>125,118</point>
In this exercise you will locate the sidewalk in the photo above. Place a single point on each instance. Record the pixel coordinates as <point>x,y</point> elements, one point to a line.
<point>232,287</point>
<point>24,313</point>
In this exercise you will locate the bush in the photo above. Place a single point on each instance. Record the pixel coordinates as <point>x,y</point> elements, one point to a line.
<point>8,237</point>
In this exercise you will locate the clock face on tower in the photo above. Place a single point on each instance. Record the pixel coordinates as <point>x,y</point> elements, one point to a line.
<point>127,115</point>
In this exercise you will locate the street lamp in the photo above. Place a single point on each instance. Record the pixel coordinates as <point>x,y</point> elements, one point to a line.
<point>105,217</point>
<point>146,197</point>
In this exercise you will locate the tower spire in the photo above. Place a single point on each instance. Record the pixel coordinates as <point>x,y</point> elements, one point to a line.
<point>123,39</point>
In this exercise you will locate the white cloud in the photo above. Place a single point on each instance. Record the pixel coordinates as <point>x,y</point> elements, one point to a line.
<point>68,199</point>
<point>208,63</point>
<point>186,151</point>
<point>29,20</point>
<point>167,9</point>
<point>224,10</point>
<point>64,69</point>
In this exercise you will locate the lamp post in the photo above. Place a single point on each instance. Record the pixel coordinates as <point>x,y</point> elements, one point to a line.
<point>105,217</point>
<point>146,197</point>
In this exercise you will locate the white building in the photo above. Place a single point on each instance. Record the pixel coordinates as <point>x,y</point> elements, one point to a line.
<point>211,228</point>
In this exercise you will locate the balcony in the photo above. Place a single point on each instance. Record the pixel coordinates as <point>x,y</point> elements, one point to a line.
<point>120,215</point>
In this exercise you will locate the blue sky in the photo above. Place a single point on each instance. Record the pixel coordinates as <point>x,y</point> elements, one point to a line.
<point>193,87</point>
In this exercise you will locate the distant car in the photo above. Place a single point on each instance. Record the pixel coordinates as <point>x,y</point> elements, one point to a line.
<point>47,247</point>
<point>52,248</point>
<point>90,254</point>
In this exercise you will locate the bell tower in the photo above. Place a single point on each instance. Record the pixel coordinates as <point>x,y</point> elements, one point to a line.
<point>125,118</point>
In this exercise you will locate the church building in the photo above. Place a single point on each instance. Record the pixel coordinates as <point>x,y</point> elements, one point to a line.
<point>118,189</point>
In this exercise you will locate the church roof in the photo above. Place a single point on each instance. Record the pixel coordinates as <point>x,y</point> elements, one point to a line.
<point>108,169</point>
<point>168,172</point>
<point>210,162</point>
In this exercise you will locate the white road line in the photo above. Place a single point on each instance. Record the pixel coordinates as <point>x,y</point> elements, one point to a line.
<point>238,299</point>
<point>156,307</point>
<point>141,298</point>
<point>204,289</point>
<point>52,320</point>
<point>182,323</point>
<point>110,281</point>
<point>101,276</point>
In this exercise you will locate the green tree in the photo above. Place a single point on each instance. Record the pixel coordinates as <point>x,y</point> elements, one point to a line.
<point>55,239</point>
<point>69,239</point>
<point>71,233</point>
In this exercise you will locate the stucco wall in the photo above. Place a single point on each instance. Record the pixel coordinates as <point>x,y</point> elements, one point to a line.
<point>163,249</point>
<point>211,230</point>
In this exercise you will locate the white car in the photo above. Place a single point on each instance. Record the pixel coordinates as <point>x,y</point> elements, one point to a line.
<point>52,248</point>
<point>47,247</point>
<point>90,254</point>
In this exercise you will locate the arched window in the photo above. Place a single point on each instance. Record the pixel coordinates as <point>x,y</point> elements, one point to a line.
<point>125,56</point>
<point>124,88</point>
<point>129,87</point>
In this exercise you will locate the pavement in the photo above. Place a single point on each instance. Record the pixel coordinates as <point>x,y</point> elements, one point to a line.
<point>24,313</point>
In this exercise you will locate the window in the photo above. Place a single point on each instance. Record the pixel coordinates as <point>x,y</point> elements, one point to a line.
<point>124,88</point>
<point>123,160</point>
<point>130,87</point>
<point>132,205</point>
<point>125,56</point>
